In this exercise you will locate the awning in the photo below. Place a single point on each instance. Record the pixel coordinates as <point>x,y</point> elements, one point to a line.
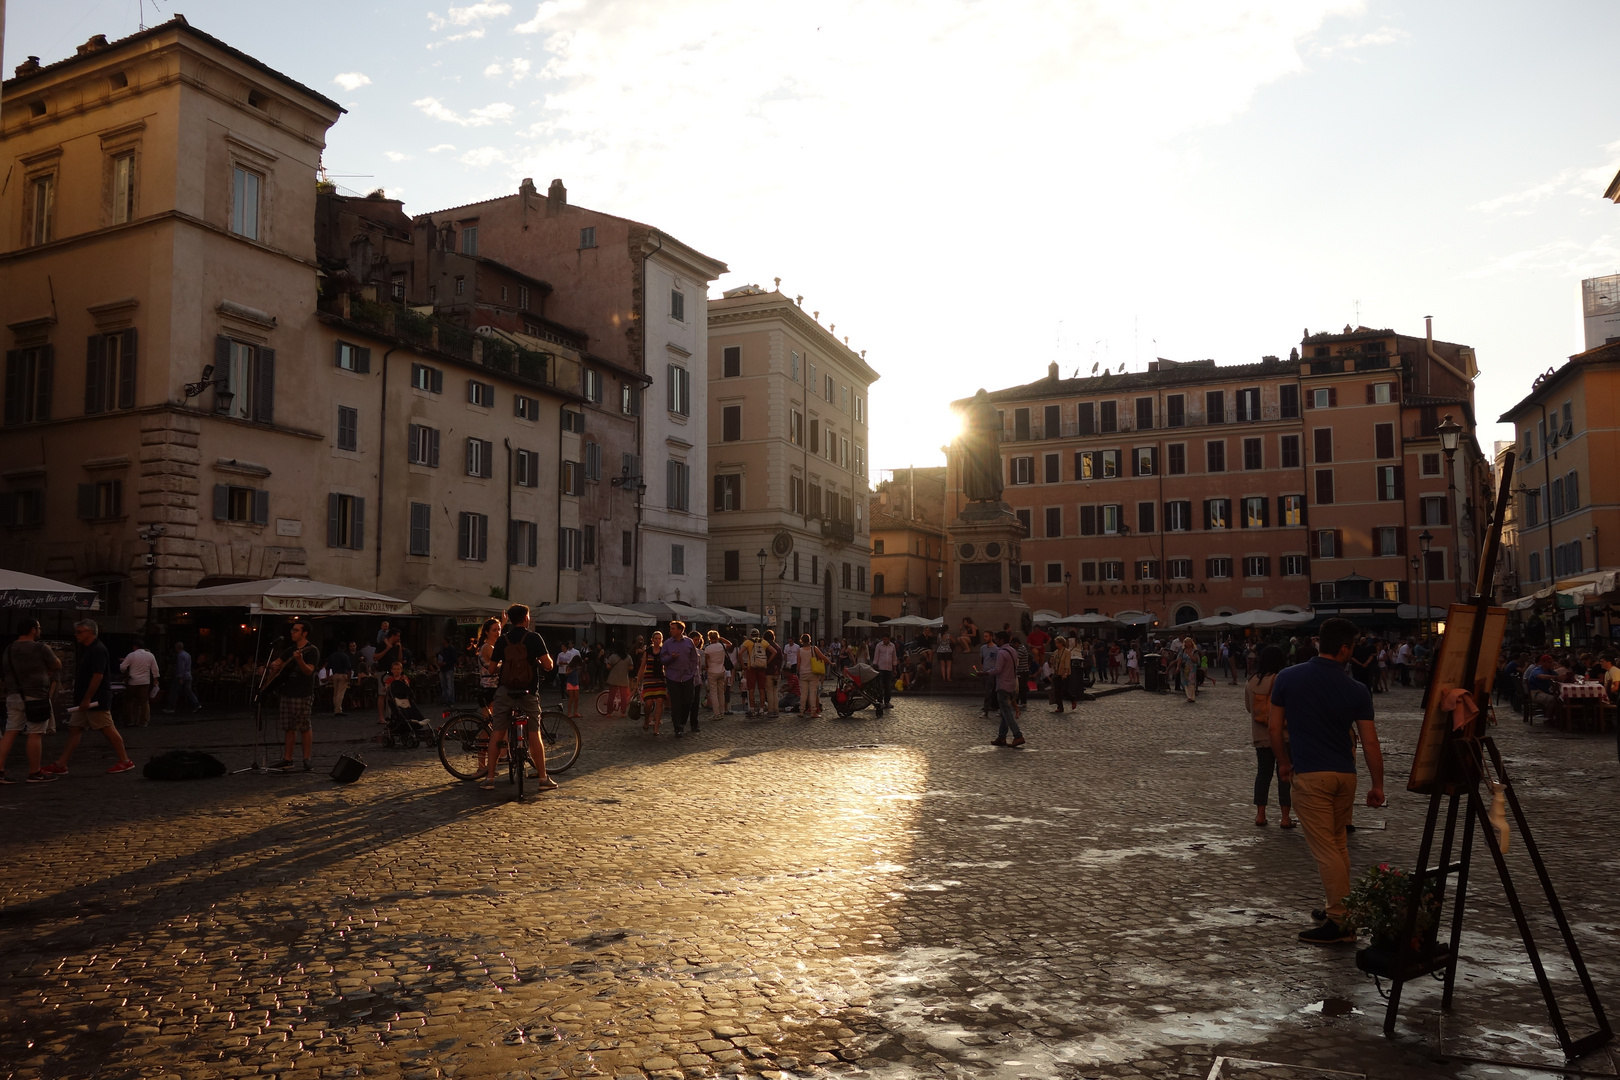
<point>294,596</point>
<point>665,610</point>
<point>916,621</point>
<point>438,600</point>
<point>1258,619</point>
<point>1591,591</point>
<point>19,590</point>
<point>738,617</point>
<point>863,624</point>
<point>1091,619</point>
<point>587,613</point>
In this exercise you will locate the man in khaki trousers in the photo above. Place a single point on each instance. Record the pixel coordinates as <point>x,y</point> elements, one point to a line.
<point>1318,704</point>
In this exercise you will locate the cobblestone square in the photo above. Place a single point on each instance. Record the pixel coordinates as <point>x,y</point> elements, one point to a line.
<point>794,897</point>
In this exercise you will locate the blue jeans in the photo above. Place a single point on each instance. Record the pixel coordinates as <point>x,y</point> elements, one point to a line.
<point>447,686</point>
<point>1009,721</point>
<point>182,688</point>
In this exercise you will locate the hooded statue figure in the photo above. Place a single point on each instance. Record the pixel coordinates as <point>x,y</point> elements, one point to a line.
<point>980,443</point>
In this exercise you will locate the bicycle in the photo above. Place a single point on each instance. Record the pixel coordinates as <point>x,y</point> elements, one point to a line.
<point>464,739</point>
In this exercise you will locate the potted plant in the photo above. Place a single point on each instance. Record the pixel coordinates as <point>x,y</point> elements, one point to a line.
<point>1378,904</point>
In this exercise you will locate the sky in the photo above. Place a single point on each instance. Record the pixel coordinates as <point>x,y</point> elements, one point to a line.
<point>971,190</point>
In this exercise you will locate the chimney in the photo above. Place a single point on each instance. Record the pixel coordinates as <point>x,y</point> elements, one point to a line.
<point>1153,365</point>
<point>28,66</point>
<point>527,187</point>
<point>556,198</point>
<point>1052,370</point>
<point>96,43</point>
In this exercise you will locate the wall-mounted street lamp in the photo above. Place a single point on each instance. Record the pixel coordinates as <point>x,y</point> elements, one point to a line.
<point>223,395</point>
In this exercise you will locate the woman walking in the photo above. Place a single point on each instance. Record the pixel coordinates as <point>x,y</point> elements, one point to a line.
<point>653,689</point>
<point>1257,698</point>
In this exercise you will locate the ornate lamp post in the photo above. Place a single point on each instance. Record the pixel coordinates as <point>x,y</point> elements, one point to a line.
<point>1424,540</point>
<point>1450,433</point>
<point>761,557</point>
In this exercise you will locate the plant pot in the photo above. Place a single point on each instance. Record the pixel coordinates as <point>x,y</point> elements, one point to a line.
<point>1379,959</point>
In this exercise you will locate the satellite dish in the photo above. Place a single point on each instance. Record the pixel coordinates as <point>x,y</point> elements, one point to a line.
<point>782,544</point>
<point>1094,369</point>
<point>1122,369</point>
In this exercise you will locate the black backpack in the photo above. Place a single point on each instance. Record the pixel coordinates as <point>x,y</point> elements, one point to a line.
<point>183,765</point>
<point>517,672</point>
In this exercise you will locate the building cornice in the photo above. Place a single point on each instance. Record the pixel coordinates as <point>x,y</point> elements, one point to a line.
<point>781,308</point>
<point>181,216</point>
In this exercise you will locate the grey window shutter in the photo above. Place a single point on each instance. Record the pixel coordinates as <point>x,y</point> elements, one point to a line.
<point>514,537</point>
<point>261,507</point>
<point>362,361</point>
<point>47,362</point>
<point>433,448</point>
<point>483,537</point>
<point>95,361</point>
<point>438,381</point>
<point>264,386</point>
<point>222,502</point>
<point>464,536</point>
<point>222,356</point>
<point>472,389</point>
<point>8,508</point>
<point>358,541</point>
<point>337,354</point>
<point>334,513</point>
<point>467,455</point>
<point>117,498</point>
<point>488,459</point>
<point>412,437</point>
<point>87,502</point>
<point>14,382</point>
<point>534,545</point>
<point>126,373</point>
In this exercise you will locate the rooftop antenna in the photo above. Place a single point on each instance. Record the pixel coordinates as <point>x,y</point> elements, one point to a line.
<point>1358,312</point>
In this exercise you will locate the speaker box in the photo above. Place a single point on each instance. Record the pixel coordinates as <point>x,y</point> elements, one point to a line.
<point>348,769</point>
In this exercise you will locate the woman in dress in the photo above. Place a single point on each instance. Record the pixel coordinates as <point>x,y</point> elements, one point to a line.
<point>1257,697</point>
<point>653,690</point>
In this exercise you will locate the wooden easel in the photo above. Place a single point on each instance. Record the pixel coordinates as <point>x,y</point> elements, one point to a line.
<point>1452,768</point>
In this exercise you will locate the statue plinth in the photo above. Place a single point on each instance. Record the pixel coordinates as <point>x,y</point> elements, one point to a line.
<point>986,541</point>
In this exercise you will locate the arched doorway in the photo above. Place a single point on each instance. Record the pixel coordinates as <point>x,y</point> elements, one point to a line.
<point>1186,613</point>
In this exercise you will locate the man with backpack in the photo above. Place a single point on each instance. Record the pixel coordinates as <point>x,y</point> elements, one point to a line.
<point>517,659</point>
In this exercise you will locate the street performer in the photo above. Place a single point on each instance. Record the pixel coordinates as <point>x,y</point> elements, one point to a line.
<point>296,690</point>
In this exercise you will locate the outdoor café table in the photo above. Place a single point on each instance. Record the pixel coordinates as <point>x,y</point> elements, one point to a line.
<point>1585,697</point>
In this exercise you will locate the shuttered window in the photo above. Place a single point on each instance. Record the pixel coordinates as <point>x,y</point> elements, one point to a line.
<point>422,446</point>
<point>351,357</point>
<point>250,506</point>
<point>345,521</point>
<point>421,529</point>
<point>472,541</point>
<point>28,384</point>
<point>109,375</point>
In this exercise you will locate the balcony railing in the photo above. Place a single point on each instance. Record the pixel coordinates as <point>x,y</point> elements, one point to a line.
<point>450,339</point>
<point>1127,425</point>
<point>841,531</point>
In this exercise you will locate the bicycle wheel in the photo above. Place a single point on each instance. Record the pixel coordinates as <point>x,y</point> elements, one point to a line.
<point>463,742</point>
<point>561,739</point>
<point>518,756</point>
<point>604,701</point>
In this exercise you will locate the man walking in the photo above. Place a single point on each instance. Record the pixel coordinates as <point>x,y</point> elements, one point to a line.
<point>447,658</point>
<point>1317,704</point>
<point>884,659</point>
<point>1006,682</point>
<point>92,690</point>
<point>341,665</point>
<point>680,659</point>
<point>987,669</point>
<point>140,670</point>
<point>182,681</point>
<point>297,694</point>
<point>30,669</point>
<point>517,659</point>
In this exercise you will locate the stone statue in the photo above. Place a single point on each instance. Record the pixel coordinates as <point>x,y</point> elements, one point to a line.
<point>981,450</point>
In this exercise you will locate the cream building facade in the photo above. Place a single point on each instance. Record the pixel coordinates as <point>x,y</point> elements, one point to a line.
<point>788,438</point>
<point>184,406</point>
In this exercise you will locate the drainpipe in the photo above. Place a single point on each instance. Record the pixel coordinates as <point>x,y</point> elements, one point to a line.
<point>561,410</point>
<point>382,463</point>
<point>508,443</point>
<point>635,571</point>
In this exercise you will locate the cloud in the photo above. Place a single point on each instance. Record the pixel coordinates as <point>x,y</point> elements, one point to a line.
<point>466,16</point>
<point>395,155</point>
<point>519,67</point>
<point>441,148</point>
<point>1386,35</point>
<point>483,157</point>
<point>548,12</point>
<point>493,70</point>
<point>1583,182</point>
<point>352,80</point>
<point>480,117</point>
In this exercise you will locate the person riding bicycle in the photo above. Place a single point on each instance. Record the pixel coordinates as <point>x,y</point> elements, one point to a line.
<point>517,659</point>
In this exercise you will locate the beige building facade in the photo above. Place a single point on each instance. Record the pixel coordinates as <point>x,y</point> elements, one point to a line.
<point>788,437</point>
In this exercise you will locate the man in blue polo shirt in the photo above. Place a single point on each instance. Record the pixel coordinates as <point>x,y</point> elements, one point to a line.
<point>1318,703</point>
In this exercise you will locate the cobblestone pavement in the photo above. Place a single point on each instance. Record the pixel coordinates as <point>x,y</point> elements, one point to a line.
<point>779,898</point>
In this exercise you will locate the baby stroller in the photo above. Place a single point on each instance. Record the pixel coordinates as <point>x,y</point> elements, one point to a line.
<point>406,726</point>
<point>856,689</point>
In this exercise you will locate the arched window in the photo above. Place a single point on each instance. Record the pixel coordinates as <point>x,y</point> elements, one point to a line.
<point>1186,614</point>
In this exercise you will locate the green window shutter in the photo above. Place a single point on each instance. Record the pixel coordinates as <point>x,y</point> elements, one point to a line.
<point>222,502</point>
<point>362,361</point>
<point>358,541</point>
<point>47,363</point>
<point>126,372</point>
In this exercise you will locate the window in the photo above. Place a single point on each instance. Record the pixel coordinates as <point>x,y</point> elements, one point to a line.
<point>1217,513</point>
<point>1146,461</point>
<point>1145,513</point>
<point>1218,568</point>
<point>587,236</point>
<point>421,536</point>
<point>1388,481</point>
<point>1108,463</point>
<point>843,454</point>
<point>1322,445</point>
<point>1110,518</point>
<point>1326,591</point>
<point>42,208</point>
<point>1110,416</point>
<point>1254,454</point>
<point>1384,440</point>
<point>1178,459</point>
<point>793,366</point>
<point>1428,464</point>
<point>1290,451</point>
<point>1054,573</point>
<point>526,468</point>
<point>523,545</point>
<point>1178,516</point>
<point>1324,487</point>
<point>348,428</point>
<point>733,566</point>
<point>860,409</point>
<point>815,435</point>
<point>1432,510</point>
<point>123,208</point>
<point>1025,516</point>
<point>1179,569</point>
<point>1175,410</point>
<point>728,492</point>
<point>593,461</point>
<point>677,305</point>
<point>523,298</point>
<point>630,399</point>
<point>1147,569</point>
<point>469,241</point>
<point>860,460</point>
<point>1088,571</point>
<point>472,543</point>
<point>1054,521</point>
<point>1324,397</point>
<point>20,508</point>
<point>1144,414</point>
<point>593,386</point>
<point>109,377</point>
<point>573,420</point>
<point>1434,565</point>
<point>245,203</point>
<point>731,423</point>
<point>1532,508</point>
<point>480,453</point>
<point>796,427</point>
<point>570,549</point>
<point>1535,566</point>
<point>430,379</point>
<point>877,583</point>
<point>1326,543</point>
<point>677,558</point>
<point>1085,465</point>
<point>1248,405</point>
<point>1052,466</point>
<point>250,506</point>
<point>1290,510</point>
<point>1379,393</point>
<point>250,375</point>
<point>731,362</point>
<point>1215,407</point>
<point>422,446</point>
<point>1085,416</point>
<point>1111,570</point>
<point>680,390</point>
<point>844,580</point>
<point>1386,540</point>
<point>1022,469</point>
<point>1572,498</point>
<point>525,407</point>
<point>1026,574</point>
<point>461,285</point>
<point>830,390</point>
<point>573,478</point>
<point>815,500</point>
<point>396,287</point>
<point>1288,401</point>
<point>796,495</point>
<point>678,478</point>
<point>348,357</point>
<point>1215,456</point>
<point>1257,566</point>
<point>1255,509</point>
<point>480,393</point>
<point>345,521</point>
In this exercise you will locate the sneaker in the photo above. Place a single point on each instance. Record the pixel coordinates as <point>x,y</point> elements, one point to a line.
<point>1329,933</point>
<point>4,779</point>
<point>54,769</point>
<point>41,777</point>
<point>122,766</point>
<point>309,766</point>
<point>284,763</point>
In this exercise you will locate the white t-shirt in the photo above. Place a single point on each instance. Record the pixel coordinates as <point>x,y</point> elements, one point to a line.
<point>566,657</point>
<point>1130,658</point>
<point>790,654</point>
<point>714,657</point>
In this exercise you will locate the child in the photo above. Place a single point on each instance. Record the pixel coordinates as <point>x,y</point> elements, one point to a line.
<point>576,667</point>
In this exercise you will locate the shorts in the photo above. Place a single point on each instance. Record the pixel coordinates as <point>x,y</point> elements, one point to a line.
<point>17,719</point>
<point>508,702</point>
<point>756,677</point>
<point>96,719</point>
<point>295,714</point>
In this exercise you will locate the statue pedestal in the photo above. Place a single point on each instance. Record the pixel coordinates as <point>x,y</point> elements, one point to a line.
<point>985,552</point>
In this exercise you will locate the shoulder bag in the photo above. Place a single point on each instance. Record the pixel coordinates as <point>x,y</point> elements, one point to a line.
<point>35,712</point>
